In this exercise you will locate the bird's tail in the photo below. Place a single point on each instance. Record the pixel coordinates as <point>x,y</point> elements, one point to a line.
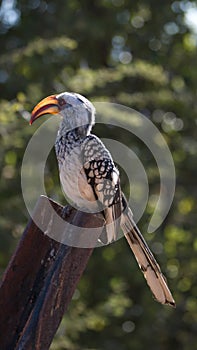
<point>147,263</point>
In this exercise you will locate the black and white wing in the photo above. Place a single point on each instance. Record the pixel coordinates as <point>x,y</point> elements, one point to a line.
<point>103,177</point>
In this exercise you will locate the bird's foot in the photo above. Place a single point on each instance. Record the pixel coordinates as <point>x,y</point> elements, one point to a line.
<point>66,211</point>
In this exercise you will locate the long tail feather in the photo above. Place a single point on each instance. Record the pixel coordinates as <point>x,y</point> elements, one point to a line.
<point>147,263</point>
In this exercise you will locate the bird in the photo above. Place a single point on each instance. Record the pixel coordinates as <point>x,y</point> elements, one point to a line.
<point>91,180</point>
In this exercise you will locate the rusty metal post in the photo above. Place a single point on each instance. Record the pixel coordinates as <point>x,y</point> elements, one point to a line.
<point>39,282</point>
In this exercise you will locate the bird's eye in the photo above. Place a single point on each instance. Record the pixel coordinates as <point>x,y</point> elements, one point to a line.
<point>79,99</point>
<point>62,102</point>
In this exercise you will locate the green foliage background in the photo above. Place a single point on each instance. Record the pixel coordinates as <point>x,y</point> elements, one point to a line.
<point>141,54</point>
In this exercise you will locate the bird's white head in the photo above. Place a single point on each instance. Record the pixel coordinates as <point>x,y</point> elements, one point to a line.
<point>77,112</point>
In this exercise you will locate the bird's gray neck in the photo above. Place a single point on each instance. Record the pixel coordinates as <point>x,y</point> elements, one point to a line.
<point>67,141</point>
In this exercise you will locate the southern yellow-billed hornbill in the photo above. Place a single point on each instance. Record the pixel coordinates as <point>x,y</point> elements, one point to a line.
<point>91,180</point>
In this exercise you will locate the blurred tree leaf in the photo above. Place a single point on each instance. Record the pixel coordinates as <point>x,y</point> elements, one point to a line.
<point>140,54</point>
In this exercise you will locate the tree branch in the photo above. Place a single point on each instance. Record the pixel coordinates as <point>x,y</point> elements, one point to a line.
<point>40,280</point>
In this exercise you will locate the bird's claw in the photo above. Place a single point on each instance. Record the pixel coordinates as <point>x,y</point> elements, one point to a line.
<point>66,212</point>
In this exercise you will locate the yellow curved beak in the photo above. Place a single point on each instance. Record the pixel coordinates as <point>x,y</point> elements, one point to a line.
<point>48,105</point>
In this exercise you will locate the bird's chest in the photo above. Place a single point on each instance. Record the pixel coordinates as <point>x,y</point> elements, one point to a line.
<point>70,171</point>
<point>74,181</point>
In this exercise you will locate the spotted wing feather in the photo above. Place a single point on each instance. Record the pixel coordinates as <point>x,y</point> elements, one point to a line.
<point>103,177</point>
